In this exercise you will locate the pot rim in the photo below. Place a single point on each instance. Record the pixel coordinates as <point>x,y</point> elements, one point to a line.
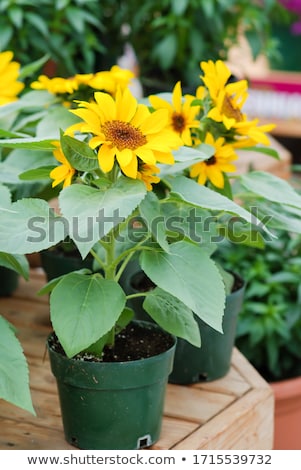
<point>287,388</point>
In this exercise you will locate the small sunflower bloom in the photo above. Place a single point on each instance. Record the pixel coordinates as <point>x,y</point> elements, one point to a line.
<point>64,172</point>
<point>147,174</point>
<point>111,80</point>
<point>182,115</point>
<point>219,163</point>
<point>126,132</point>
<point>10,87</point>
<point>55,85</point>
<point>252,134</point>
<point>228,98</point>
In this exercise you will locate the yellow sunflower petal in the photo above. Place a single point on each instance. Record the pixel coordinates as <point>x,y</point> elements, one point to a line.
<point>215,175</point>
<point>106,157</point>
<point>157,102</point>
<point>126,105</point>
<point>177,97</point>
<point>155,122</point>
<point>124,157</point>
<point>146,155</point>
<point>131,169</point>
<point>107,105</point>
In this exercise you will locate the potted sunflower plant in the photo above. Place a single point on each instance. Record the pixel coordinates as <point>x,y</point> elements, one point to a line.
<point>126,172</point>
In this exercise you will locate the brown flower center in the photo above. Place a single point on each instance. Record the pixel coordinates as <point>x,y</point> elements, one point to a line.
<point>123,135</point>
<point>230,111</point>
<point>211,161</point>
<point>178,122</point>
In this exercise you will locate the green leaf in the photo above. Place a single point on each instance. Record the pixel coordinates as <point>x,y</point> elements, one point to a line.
<point>125,318</point>
<point>14,377</point>
<point>56,118</point>
<point>189,274</point>
<point>271,188</point>
<point>29,225</point>
<point>38,22</point>
<point>76,18</point>
<point>165,50</point>
<point>186,157</point>
<point>197,224</point>
<point>18,263</point>
<point>91,213</point>
<point>179,6</point>
<point>83,309</point>
<point>36,174</point>
<point>266,150</point>
<point>172,315</point>
<point>51,284</point>
<point>79,154</point>
<point>151,213</point>
<point>32,143</point>
<point>200,196</point>
<point>30,69</point>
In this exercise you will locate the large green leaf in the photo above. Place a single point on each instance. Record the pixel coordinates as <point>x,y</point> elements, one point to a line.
<point>172,315</point>
<point>151,212</point>
<point>57,117</point>
<point>33,143</point>
<point>79,154</point>
<point>271,188</point>
<point>201,196</point>
<point>18,263</point>
<point>91,213</point>
<point>189,274</point>
<point>14,379</point>
<point>83,309</point>
<point>195,223</point>
<point>186,157</point>
<point>29,225</point>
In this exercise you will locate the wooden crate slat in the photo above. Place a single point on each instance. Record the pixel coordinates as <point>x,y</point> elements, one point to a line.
<point>246,424</point>
<point>232,384</point>
<point>173,431</point>
<point>193,404</point>
<point>19,435</point>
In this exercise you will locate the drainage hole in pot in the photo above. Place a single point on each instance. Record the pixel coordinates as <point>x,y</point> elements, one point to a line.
<point>74,441</point>
<point>144,441</point>
<point>203,377</point>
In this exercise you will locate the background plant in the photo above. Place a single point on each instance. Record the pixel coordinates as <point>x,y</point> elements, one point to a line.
<point>269,324</point>
<point>78,35</point>
<point>171,37</point>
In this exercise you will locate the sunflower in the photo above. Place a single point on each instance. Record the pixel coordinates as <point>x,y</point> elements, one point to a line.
<point>182,116</point>
<point>64,172</point>
<point>56,85</point>
<point>111,80</point>
<point>251,134</point>
<point>214,168</point>
<point>125,131</point>
<point>9,73</point>
<point>227,98</point>
<point>147,174</point>
<point>105,81</point>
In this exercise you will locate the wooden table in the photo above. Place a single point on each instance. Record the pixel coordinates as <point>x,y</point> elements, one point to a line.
<point>235,412</point>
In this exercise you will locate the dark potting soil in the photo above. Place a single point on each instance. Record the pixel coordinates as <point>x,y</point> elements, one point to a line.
<point>133,343</point>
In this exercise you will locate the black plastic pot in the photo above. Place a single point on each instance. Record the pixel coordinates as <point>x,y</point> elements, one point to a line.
<point>8,281</point>
<point>107,405</point>
<point>213,360</point>
<point>191,364</point>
